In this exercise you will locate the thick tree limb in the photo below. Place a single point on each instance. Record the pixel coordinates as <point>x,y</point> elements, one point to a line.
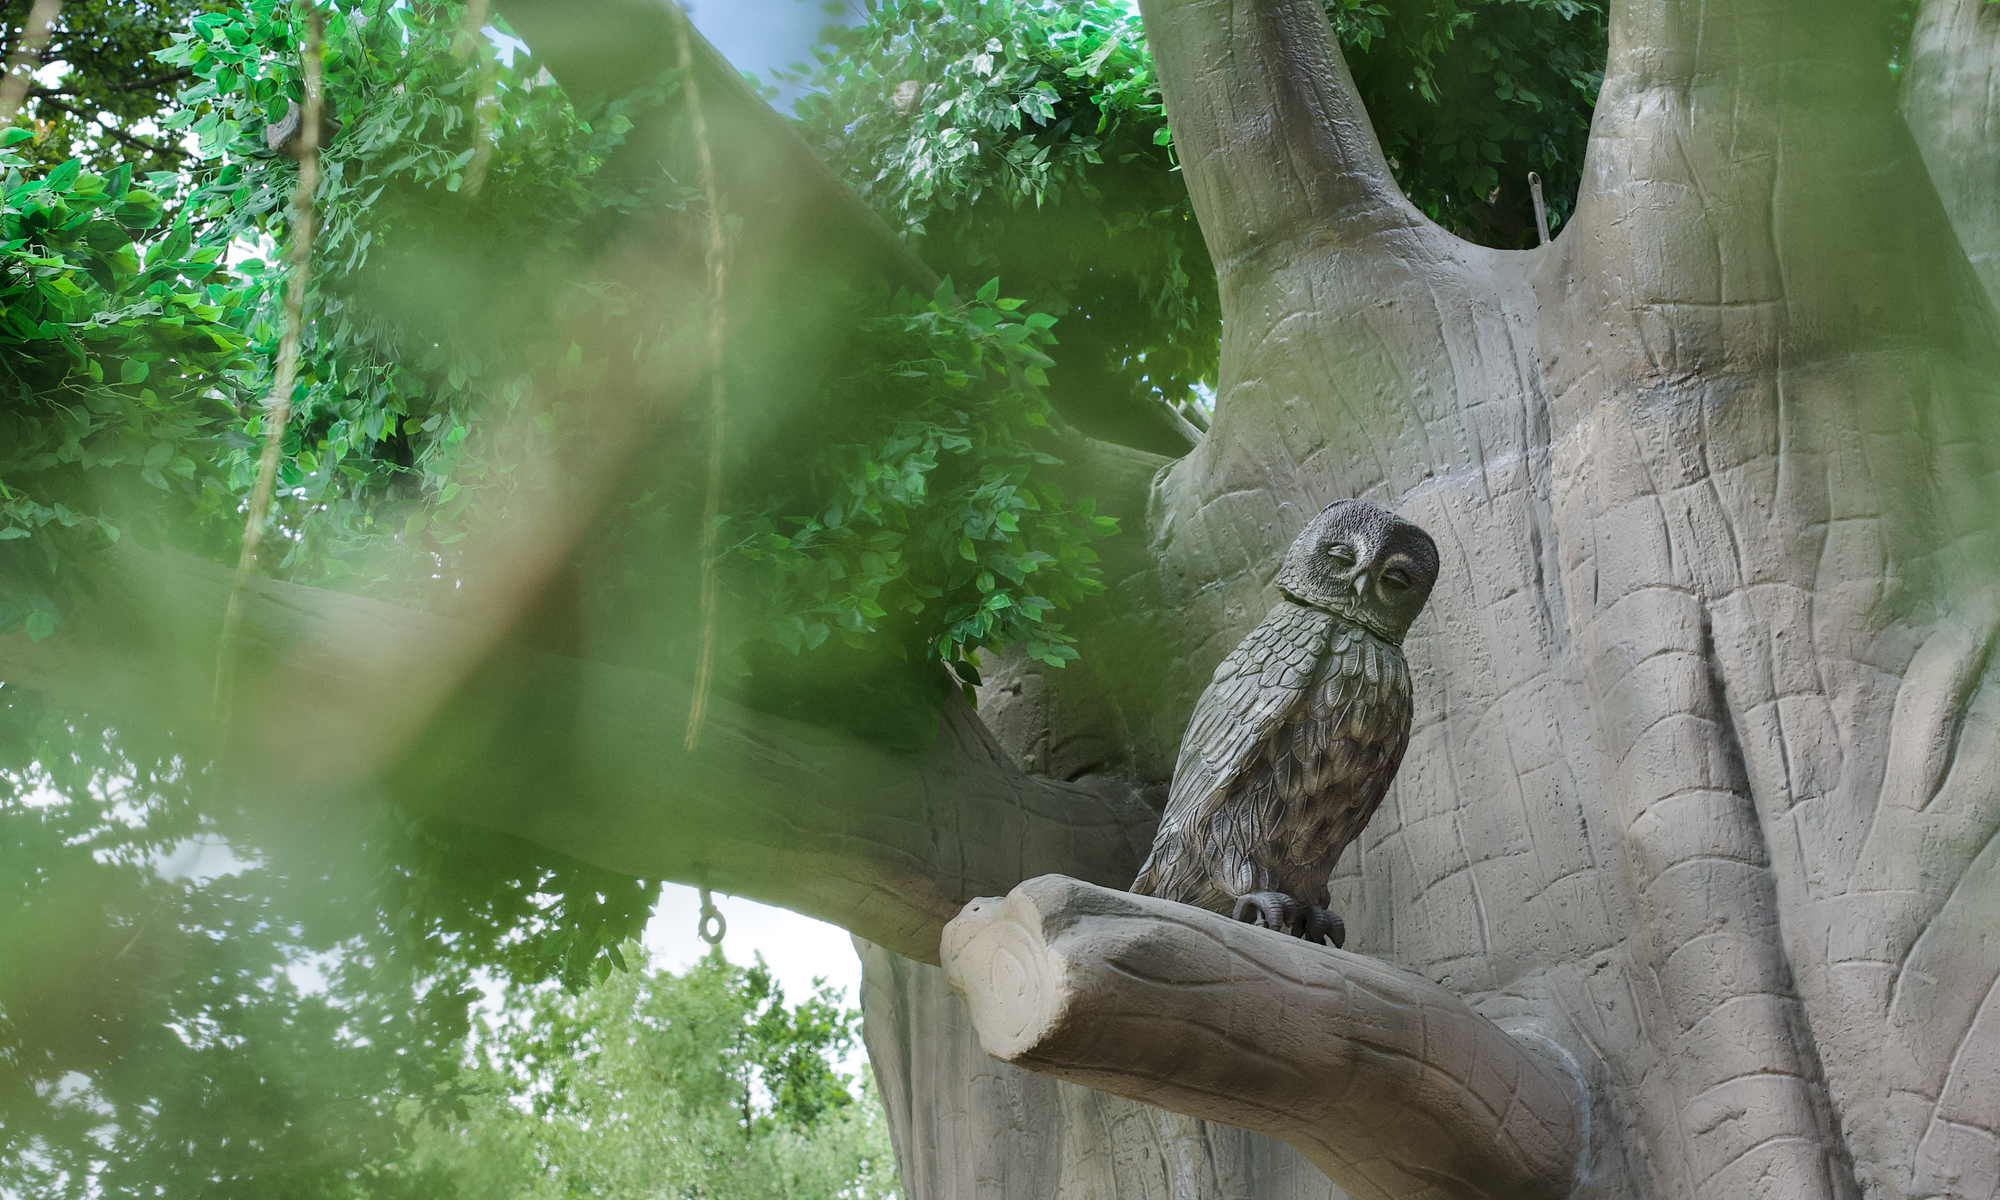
<point>580,756</point>
<point>1271,133</point>
<point>1387,1082</point>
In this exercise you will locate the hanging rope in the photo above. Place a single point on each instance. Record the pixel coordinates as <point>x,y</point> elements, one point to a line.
<point>278,408</point>
<point>710,916</point>
<point>717,251</point>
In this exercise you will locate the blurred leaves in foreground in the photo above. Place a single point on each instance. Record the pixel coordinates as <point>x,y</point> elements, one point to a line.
<point>349,1014</point>
<point>230,1001</point>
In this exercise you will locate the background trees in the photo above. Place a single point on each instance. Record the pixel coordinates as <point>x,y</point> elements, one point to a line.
<point>651,1083</point>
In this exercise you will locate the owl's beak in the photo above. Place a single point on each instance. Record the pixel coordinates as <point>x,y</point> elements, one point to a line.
<point>1360,583</point>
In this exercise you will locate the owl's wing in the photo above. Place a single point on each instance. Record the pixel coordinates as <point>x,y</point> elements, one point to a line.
<point>1254,691</point>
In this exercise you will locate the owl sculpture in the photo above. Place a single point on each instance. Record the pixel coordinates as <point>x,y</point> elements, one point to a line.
<point>1294,742</point>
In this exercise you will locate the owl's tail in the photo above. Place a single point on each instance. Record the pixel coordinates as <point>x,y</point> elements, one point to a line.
<point>1158,873</point>
<point>1148,881</point>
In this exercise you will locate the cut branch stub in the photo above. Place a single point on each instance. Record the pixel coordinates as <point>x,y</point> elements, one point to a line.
<point>1385,1081</point>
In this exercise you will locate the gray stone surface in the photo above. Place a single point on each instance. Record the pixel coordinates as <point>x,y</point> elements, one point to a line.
<point>1391,1085</point>
<point>1705,771</point>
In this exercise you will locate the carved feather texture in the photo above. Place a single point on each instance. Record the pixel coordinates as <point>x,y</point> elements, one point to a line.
<point>1289,753</point>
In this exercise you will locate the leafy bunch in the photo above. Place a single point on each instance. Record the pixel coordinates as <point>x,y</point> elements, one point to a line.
<point>950,100</point>
<point>1028,138</point>
<point>927,517</point>
<point>104,101</point>
<point>449,329</point>
<point>156,1028</point>
<point>194,1001</point>
<point>124,358</point>
<point>1469,96</point>
<point>787,1050</point>
<point>428,302</point>
<point>703,1083</point>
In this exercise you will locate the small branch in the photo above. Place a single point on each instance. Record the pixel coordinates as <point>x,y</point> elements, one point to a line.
<point>129,140</point>
<point>716,257</point>
<point>1389,1083</point>
<point>471,41</point>
<point>278,409</point>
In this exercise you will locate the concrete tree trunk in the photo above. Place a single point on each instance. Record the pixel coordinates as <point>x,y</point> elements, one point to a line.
<point>1703,789</point>
<point>1705,773</point>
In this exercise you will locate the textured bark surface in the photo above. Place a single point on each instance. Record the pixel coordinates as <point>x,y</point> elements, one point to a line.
<point>966,1124</point>
<point>1951,98</point>
<point>1387,1082</point>
<point>1705,775</point>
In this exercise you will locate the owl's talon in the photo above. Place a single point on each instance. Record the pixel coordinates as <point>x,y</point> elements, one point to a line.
<point>1272,910</point>
<point>1319,925</point>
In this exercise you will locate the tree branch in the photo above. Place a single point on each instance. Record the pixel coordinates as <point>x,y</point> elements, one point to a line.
<point>1270,131</point>
<point>580,756</point>
<point>133,141</point>
<point>1387,1082</point>
<point>130,85</point>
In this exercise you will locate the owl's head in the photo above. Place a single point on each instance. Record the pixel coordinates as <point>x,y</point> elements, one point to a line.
<point>1362,562</point>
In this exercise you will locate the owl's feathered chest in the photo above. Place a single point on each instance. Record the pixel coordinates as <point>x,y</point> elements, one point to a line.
<point>1330,763</point>
<point>1291,748</point>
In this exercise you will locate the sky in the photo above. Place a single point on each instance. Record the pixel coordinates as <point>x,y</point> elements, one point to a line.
<point>757,35</point>
<point>796,948</point>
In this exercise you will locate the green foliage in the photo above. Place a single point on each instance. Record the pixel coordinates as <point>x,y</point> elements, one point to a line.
<point>650,1083</point>
<point>789,1049</point>
<point>451,329</point>
<point>152,1033</point>
<point>429,305</point>
<point>300,1020</point>
<point>122,351</point>
<point>930,521</point>
<point>1028,139</point>
<point>1468,96</point>
<point>279,1024</point>
<point>110,86</point>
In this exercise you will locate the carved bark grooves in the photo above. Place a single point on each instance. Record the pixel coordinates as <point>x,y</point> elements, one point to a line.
<point>1705,768</point>
<point>1386,1081</point>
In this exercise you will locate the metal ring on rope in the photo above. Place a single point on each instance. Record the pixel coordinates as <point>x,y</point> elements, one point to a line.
<point>710,913</point>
